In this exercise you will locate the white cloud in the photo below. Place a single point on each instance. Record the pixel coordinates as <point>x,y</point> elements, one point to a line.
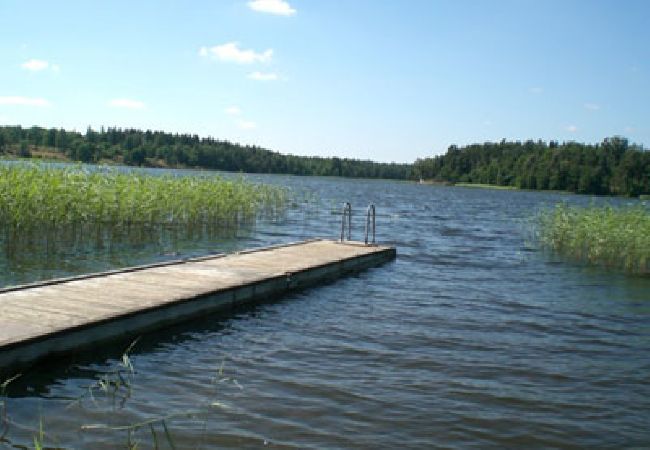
<point>277,7</point>
<point>23,101</point>
<point>263,76</point>
<point>571,128</point>
<point>536,90</point>
<point>246,124</point>
<point>592,106</point>
<point>35,65</point>
<point>233,111</point>
<point>629,129</point>
<point>126,103</point>
<point>230,52</point>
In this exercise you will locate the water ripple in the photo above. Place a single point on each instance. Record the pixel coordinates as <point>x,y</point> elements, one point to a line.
<point>471,338</point>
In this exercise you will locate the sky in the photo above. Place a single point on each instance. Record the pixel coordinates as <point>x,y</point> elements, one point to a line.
<point>369,79</point>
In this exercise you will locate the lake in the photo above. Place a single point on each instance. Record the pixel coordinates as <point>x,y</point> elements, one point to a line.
<point>470,338</point>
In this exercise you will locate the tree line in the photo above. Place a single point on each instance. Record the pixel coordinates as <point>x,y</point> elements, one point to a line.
<point>159,149</point>
<point>613,167</point>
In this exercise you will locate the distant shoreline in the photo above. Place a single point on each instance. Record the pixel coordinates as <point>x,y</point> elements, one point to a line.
<point>53,157</point>
<point>487,186</point>
<point>506,188</point>
<point>614,167</point>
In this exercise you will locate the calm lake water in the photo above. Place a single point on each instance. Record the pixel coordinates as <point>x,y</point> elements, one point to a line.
<point>470,338</point>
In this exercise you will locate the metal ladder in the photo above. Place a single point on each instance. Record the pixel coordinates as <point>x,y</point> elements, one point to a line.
<point>346,217</point>
<point>370,216</point>
<point>347,212</point>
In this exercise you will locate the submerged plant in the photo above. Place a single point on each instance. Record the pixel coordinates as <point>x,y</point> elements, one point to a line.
<point>151,427</point>
<point>608,236</point>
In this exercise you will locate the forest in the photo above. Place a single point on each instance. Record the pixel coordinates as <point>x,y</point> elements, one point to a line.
<point>613,167</point>
<point>159,149</point>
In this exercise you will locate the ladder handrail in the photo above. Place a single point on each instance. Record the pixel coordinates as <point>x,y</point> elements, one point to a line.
<point>370,215</point>
<point>347,211</point>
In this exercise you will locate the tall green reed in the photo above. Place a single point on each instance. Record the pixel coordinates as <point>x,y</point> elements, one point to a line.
<point>45,207</point>
<point>606,236</point>
<point>40,195</point>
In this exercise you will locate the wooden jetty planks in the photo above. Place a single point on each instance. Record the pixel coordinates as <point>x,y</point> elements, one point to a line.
<point>41,319</point>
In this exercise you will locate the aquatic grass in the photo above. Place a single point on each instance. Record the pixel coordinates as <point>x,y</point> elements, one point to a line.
<point>61,220</point>
<point>617,237</point>
<point>107,397</point>
<point>41,196</point>
<point>38,434</point>
<point>146,427</point>
<point>4,416</point>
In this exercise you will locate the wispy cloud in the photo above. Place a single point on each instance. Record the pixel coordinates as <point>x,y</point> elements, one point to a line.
<point>571,128</point>
<point>39,65</point>
<point>536,90</point>
<point>277,7</point>
<point>241,123</point>
<point>35,65</point>
<point>592,106</point>
<point>233,111</point>
<point>126,103</point>
<point>629,129</point>
<point>246,124</point>
<point>24,101</point>
<point>263,76</point>
<point>231,52</point>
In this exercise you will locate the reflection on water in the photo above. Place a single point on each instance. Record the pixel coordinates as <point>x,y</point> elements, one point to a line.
<point>471,337</point>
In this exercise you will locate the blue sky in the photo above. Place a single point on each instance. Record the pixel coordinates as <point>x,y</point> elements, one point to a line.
<point>371,79</point>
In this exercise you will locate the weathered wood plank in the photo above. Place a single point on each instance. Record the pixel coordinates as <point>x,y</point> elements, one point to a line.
<point>40,319</point>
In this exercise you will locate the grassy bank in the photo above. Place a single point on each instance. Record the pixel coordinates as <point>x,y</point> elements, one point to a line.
<point>606,236</point>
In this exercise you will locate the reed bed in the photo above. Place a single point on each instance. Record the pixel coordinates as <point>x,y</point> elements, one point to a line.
<point>46,196</point>
<point>50,213</point>
<point>606,236</point>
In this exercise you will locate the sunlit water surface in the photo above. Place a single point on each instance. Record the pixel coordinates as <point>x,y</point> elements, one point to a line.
<point>471,337</point>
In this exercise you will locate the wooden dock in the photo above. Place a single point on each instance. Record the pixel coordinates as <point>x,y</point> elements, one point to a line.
<point>44,319</point>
